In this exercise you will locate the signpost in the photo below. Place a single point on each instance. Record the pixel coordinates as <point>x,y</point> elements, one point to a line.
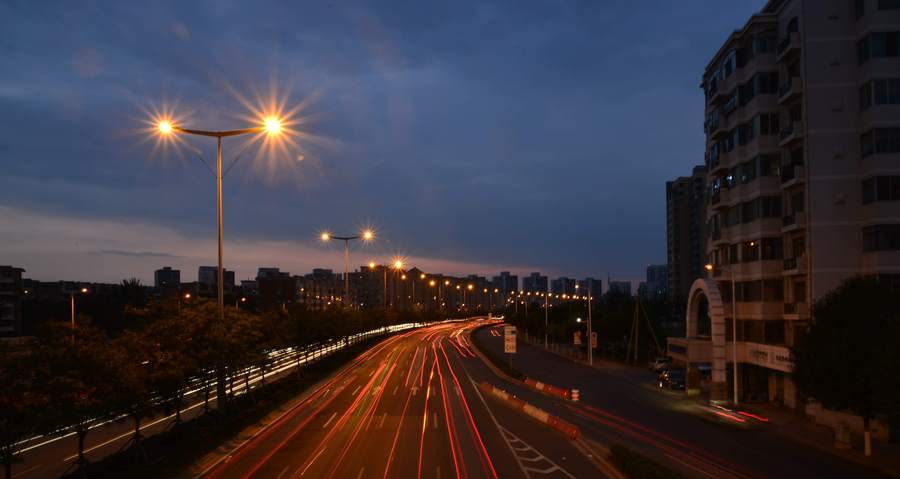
<point>509,341</point>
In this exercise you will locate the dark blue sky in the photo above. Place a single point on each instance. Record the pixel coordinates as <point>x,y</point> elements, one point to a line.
<point>473,135</point>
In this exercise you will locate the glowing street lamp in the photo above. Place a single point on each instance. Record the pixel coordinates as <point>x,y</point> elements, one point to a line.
<point>72,303</point>
<point>365,235</point>
<point>270,125</point>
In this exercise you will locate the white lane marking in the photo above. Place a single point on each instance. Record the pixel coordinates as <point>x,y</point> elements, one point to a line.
<point>438,472</point>
<point>286,469</point>
<point>435,421</point>
<point>383,417</point>
<point>312,461</point>
<point>355,391</point>
<point>360,475</point>
<point>701,471</point>
<point>395,390</point>
<point>329,420</point>
<point>503,433</point>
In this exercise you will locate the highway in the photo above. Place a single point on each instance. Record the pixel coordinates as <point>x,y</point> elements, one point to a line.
<point>408,407</point>
<point>621,404</point>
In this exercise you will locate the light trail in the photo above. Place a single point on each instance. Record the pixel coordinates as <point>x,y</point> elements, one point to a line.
<point>425,419</point>
<point>455,447</point>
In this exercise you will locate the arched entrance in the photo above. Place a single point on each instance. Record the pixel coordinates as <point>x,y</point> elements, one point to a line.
<point>705,307</point>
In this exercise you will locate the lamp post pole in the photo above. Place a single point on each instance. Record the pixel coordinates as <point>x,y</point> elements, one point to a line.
<point>546,315</point>
<point>734,313</point>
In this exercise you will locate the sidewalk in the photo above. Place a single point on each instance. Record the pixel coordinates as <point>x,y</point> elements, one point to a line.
<point>789,424</point>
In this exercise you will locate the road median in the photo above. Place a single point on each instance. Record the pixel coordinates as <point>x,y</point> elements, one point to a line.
<point>566,428</point>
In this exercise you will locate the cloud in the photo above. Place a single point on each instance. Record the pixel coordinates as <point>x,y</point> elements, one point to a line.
<point>52,247</point>
<point>139,254</point>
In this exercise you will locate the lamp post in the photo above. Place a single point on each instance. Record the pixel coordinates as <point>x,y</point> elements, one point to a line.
<point>72,304</point>
<point>546,315</point>
<point>734,313</point>
<point>366,235</point>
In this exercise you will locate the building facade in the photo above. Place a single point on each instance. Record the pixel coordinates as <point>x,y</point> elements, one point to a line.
<point>535,283</point>
<point>656,284</point>
<point>11,295</point>
<point>167,281</point>
<point>803,152</point>
<point>685,233</point>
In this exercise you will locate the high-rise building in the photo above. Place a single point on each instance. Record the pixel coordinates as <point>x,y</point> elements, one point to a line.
<point>562,285</point>
<point>685,233</point>
<point>656,284</point>
<point>622,288</point>
<point>11,293</point>
<point>506,283</point>
<point>803,141</point>
<point>167,281</point>
<point>535,283</point>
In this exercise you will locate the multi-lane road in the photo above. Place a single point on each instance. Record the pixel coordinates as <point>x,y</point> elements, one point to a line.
<point>408,407</point>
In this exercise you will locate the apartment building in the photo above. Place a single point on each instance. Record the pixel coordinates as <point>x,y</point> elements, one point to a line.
<point>685,234</point>
<point>803,182</point>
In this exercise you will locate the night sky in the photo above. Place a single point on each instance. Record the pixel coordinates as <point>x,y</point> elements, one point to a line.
<point>474,136</point>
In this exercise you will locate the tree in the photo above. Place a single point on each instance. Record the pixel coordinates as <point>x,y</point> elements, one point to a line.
<point>21,405</point>
<point>76,370</point>
<point>849,358</point>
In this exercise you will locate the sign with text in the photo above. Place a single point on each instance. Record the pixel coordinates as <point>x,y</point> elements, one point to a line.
<point>577,339</point>
<point>593,339</point>
<point>509,339</point>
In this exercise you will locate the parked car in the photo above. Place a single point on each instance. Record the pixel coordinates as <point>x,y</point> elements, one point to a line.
<point>672,379</point>
<point>660,364</point>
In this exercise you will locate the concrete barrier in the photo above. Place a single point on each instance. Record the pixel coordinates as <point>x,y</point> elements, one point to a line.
<point>568,429</point>
<point>551,389</point>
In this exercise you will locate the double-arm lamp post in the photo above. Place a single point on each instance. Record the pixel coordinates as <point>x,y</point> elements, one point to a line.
<point>366,235</point>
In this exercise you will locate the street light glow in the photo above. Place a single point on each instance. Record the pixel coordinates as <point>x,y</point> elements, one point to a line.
<point>368,235</point>
<point>371,265</point>
<point>272,125</point>
<point>164,127</point>
<point>325,236</point>
<point>398,264</point>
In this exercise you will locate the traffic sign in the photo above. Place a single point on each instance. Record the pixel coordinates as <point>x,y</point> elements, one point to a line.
<point>577,339</point>
<point>509,339</point>
<point>593,339</point>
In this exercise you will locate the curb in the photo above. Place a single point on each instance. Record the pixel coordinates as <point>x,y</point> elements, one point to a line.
<point>568,429</point>
<point>567,394</point>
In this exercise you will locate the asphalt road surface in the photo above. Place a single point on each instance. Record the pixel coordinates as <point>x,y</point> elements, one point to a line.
<point>409,407</point>
<point>621,404</point>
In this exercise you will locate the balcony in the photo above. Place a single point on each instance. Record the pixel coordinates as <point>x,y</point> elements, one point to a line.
<point>790,90</point>
<point>792,133</point>
<point>716,129</point>
<point>788,47</point>
<point>793,222</point>
<point>792,175</point>
<point>715,198</point>
<point>796,311</point>
<point>794,266</point>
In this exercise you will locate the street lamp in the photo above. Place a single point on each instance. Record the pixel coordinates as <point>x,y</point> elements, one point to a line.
<point>72,304</point>
<point>365,235</point>
<point>270,125</point>
<point>734,312</point>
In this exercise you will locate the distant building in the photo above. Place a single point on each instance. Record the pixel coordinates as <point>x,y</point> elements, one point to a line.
<point>167,281</point>
<point>594,286</point>
<point>685,233</point>
<point>620,288</point>
<point>655,285</point>
<point>207,284</point>
<point>271,273</point>
<point>562,285</point>
<point>276,291</point>
<point>535,282</point>
<point>11,294</point>
<point>506,283</point>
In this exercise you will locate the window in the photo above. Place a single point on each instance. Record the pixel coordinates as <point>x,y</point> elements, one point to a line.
<point>889,4</point>
<point>750,251</point>
<point>766,83</point>
<point>773,290</point>
<point>797,202</point>
<point>769,165</point>
<point>750,210</point>
<point>881,188</point>
<point>878,45</point>
<point>730,64</point>
<point>771,248</point>
<point>770,207</point>
<point>884,91</point>
<point>748,171</point>
<point>880,141</point>
<point>748,291</point>
<point>865,96</point>
<point>764,44</point>
<point>881,238</point>
<point>732,254</point>
<point>768,123</point>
